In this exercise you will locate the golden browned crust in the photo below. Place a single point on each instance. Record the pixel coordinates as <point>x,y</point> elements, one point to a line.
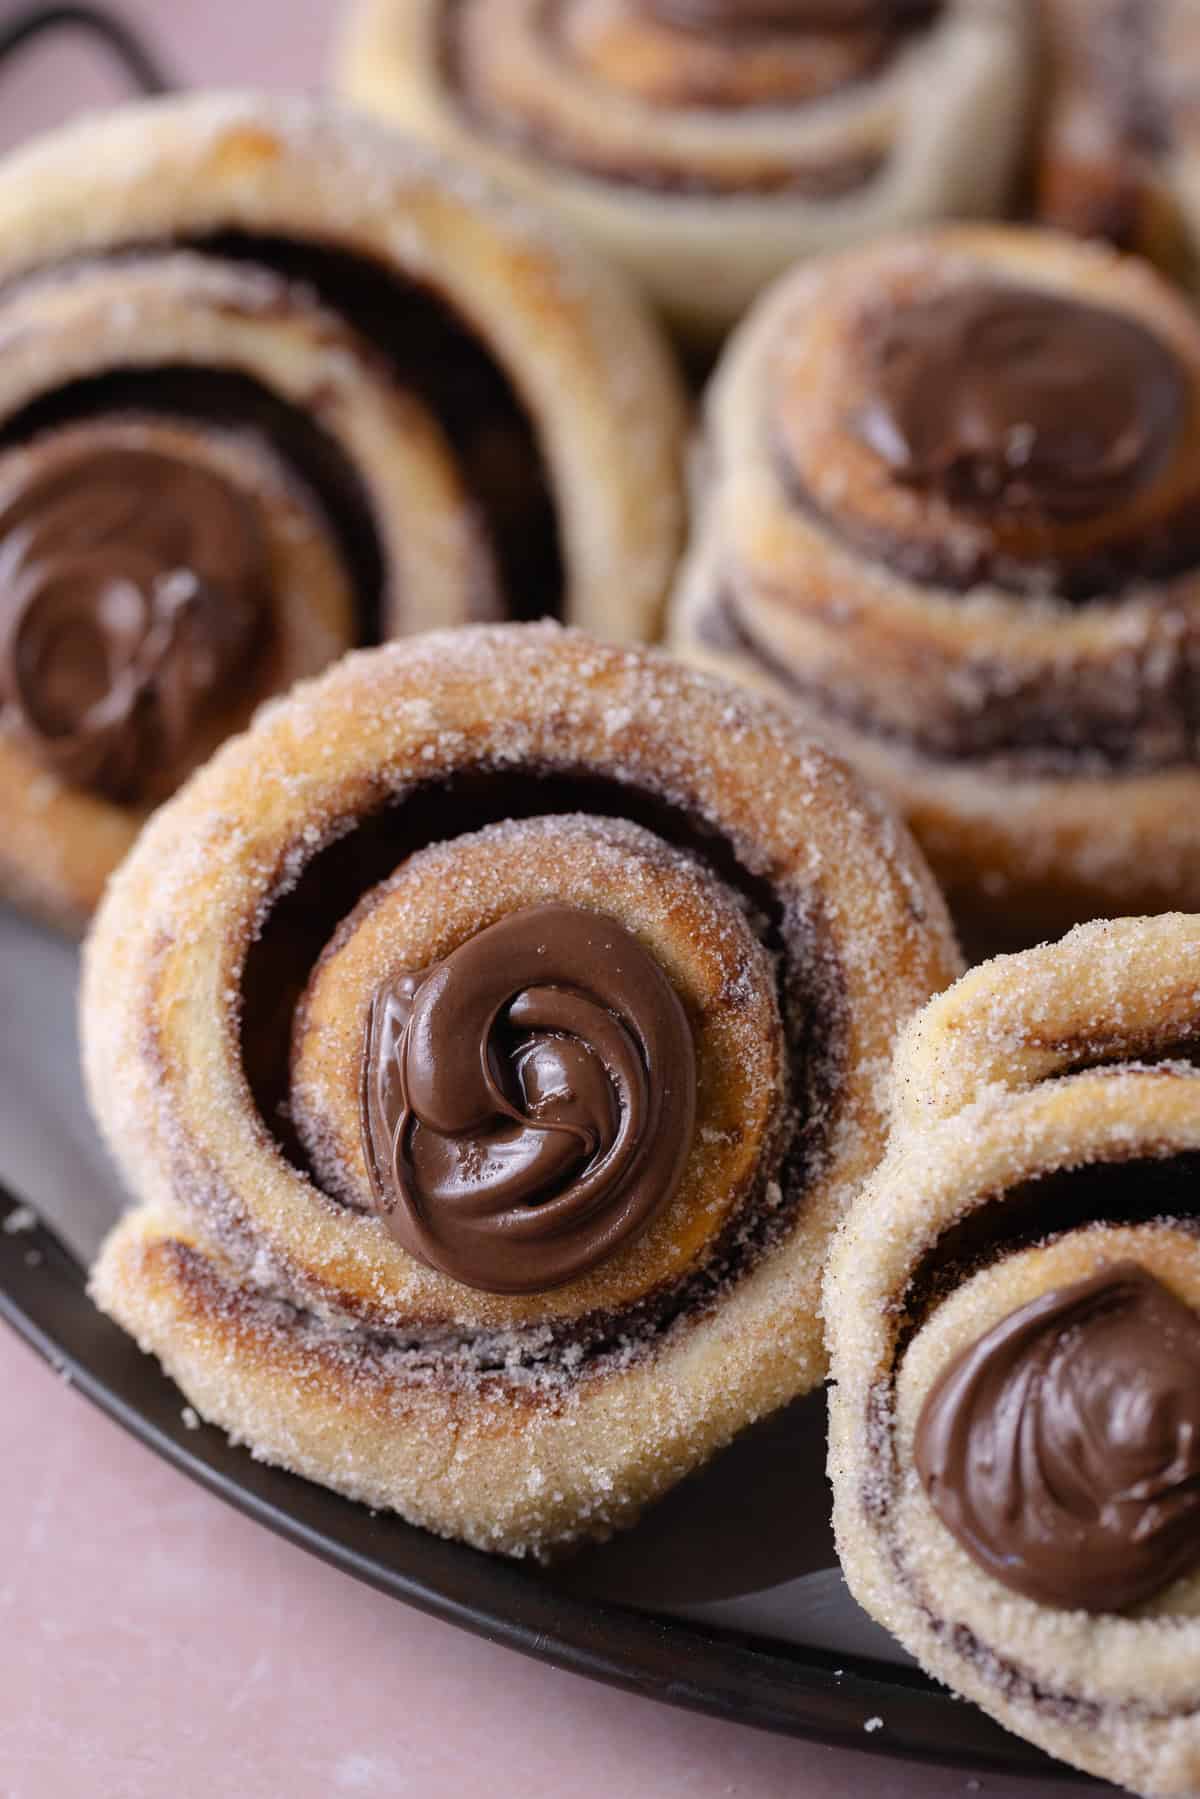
<point>170,239</point>
<point>707,164</point>
<point>1035,1068</point>
<point>1040,745</point>
<point>787,907</point>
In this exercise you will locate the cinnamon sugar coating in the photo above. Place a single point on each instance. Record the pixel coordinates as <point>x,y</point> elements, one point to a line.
<point>707,156</point>
<point>1046,1132</point>
<point>445,412</point>
<point>1022,684</point>
<point>787,908</point>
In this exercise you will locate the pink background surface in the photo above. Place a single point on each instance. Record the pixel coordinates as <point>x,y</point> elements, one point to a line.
<point>152,1641</point>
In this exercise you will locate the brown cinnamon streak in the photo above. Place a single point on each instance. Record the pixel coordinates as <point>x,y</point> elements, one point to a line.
<point>1062,1450</point>
<point>529,1103</point>
<point>789,15</point>
<point>132,596</point>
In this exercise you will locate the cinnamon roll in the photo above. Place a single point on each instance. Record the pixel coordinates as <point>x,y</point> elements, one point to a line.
<point>706,144</point>
<point>1013,1309</point>
<point>1119,155</point>
<point>272,385</point>
<point>950,516</point>
<point>491,1039</point>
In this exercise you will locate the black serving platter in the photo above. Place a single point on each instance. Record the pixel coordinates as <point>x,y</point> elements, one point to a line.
<point>549,1615</point>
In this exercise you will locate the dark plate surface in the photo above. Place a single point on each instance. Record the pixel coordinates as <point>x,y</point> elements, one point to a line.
<point>776,1686</point>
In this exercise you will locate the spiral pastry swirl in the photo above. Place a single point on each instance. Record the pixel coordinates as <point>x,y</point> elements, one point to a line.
<point>708,146</point>
<point>949,518</point>
<point>1119,149</point>
<point>497,1027</point>
<point>1014,1315</point>
<point>248,369</point>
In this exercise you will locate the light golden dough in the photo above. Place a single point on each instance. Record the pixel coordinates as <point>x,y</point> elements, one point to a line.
<point>1033,1064</point>
<point>298,1323</point>
<point>903,673</point>
<point>170,239</point>
<point>707,191</point>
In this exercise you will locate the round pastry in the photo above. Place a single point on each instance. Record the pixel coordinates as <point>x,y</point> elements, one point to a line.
<point>706,144</point>
<point>274,384</point>
<point>1013,1310</point>
<point>950,515</point>
<point>492,1038</point>
<point>1119,155</point>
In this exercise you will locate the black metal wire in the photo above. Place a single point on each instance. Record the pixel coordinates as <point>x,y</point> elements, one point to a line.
<point>143,68</point>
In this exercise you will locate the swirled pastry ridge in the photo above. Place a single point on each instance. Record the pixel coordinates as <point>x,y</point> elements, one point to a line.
<point>707,148</point>
<point>597,803</point>
<point>403,400</point>
<point>947,514</point>
<point>1013,1307</point>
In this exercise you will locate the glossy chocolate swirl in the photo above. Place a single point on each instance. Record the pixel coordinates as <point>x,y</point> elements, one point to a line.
<point>1015,399</point>
<point>132,597</point>
<point>1063,1449</point>
<point>789,15</point>
<point>529,1102</point>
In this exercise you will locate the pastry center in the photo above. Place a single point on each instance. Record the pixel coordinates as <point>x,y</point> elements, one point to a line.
<point>528,1103</point>
<point>1017,400</point>
<point>133,590</point>
<point>1063,1449</point>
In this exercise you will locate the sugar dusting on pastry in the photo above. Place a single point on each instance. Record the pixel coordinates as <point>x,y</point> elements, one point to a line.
<point>299,1323</point>
<point>1045,1151</point>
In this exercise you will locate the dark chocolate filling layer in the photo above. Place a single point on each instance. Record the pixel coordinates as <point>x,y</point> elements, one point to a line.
<point>1123,1193</point>
<point>237,402</point>
<point>1123,728</point>
<point>832,179</point>
<point>811,998</point>
<point>432,352</point>
<point>1160,555</point>
<point>438,355</point>
<point>1139,1190</point>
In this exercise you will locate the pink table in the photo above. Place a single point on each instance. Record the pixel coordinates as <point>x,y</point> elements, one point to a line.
<point>155,1638</point>
<point>152,1641</point>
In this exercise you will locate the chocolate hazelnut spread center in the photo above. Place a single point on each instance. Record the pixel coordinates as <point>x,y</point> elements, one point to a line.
<point>1063,1449</point>
<point>528,1103</point>
<point>133,589</point>
<point>1015,399</point>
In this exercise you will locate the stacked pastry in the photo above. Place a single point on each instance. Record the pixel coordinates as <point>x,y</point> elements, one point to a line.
<point>949,514</point>
<point>706,144</point>
<point>491,1039</point>
<point>274,385</point>
<point>1014,1319</point>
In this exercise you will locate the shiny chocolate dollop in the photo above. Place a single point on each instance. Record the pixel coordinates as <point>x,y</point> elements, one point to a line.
<point>529,1103</point>
<point>133,588</point>
<point>1011,398</point>
<point>790,15</point>
<point>1063,1449</point>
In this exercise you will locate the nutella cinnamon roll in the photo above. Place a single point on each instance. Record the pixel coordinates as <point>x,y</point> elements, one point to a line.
<point>707,145</point>
<point>950,516</point>
<point>491,1039</point>
<point>1119,152</point>
<point>1013,1308</point>
<point>273,385</point>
